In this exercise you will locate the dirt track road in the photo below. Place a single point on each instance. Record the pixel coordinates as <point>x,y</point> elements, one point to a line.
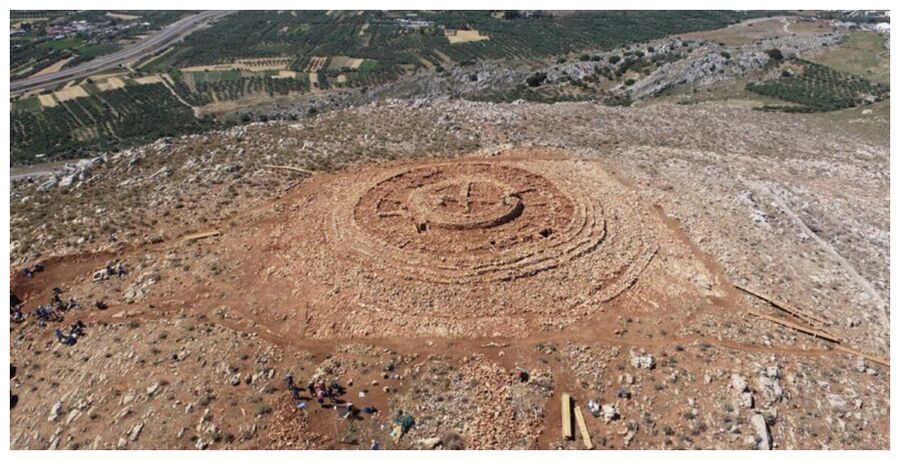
<point>151,44</point>
<point>36,170</point>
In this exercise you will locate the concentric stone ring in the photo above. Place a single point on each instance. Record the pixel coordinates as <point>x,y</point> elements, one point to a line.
<point>464,246</point>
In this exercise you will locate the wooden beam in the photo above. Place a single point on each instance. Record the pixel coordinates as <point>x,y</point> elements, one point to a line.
<point>872,358</point>
<point>799,327</point>
<point>201,235</point>
<point>582,427</point>
<point>785,306</point>
<point>289,168</point>
<point>823,335</point>
<point>567,416</point>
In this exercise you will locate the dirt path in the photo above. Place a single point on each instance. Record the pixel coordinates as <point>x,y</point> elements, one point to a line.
<point>165,82</point>
<point>785,23</point>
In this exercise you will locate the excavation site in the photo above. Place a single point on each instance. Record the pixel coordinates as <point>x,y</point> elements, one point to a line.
<point>449,230</point>
<point>510,245</point>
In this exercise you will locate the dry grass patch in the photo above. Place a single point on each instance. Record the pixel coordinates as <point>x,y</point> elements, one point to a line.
<point>69,93</point>
<point>47,100</point>
<point>250,65</point>
<point>55,67</point>
<point>863,53</point>
<point>148,80</point>
<point>750,31</point>
<point>285,74</point>
<point>463,36</point>
<point>340,62</point>
<point>111,84</point>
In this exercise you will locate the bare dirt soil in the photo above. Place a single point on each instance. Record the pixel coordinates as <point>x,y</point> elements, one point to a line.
<point>439,246</point>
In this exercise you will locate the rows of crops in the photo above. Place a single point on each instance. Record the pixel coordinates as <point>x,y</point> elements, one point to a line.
<point>232,89</point>
<point>385,39</point>
<point>130,115</point>
<point>819,88</point>
<point>391,44</point>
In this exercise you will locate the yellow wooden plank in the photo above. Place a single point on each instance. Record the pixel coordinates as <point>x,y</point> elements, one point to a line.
<point>289,168</point>
<point>200,236</point>
<point>582,427</point>
<point>784,306</point>
<point>567,416</point>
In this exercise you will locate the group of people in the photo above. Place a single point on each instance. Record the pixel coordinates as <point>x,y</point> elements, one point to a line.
<point>52,312</point>
<point>57,302</point>
<point>331,392</point>
<point>15,309</point>
<point>15,314</point>
<point>46,314</point>
<point>111,269</point>
<point>318,390</point>
<point>31,271</point>
<point>321,392</point>
<point>401,422</point>
<point>71,338</point>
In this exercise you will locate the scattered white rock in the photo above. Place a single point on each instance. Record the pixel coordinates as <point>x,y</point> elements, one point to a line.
<point>762,432</point>
<point>54,412</point>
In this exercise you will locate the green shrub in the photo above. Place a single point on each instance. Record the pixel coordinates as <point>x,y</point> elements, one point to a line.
<point>536,79</point>
<point>775,54</point>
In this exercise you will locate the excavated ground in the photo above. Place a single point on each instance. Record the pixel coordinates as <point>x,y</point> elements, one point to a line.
<point>527,241</point>
<point>422,285</point>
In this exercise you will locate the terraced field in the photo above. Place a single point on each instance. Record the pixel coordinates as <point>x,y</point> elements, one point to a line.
<point>106,119</point>
<point>257,55</point>
<point>818,88</point>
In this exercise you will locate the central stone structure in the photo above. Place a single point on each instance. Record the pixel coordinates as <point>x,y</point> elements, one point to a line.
<point>465,246</point>
<point>464,204</point>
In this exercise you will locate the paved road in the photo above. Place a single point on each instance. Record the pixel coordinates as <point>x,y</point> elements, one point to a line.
<point>147,46</point>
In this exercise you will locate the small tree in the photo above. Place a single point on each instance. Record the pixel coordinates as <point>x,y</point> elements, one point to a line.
<point>536,79</point>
